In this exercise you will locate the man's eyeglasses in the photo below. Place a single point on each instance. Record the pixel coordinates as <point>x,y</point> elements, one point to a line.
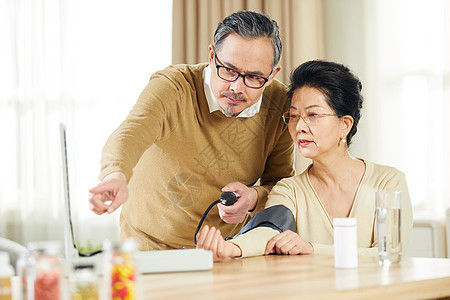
<point>311,118</point>
<point>230,75</point>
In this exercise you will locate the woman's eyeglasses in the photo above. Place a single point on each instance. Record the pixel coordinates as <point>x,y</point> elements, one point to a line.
<point>311,118</point>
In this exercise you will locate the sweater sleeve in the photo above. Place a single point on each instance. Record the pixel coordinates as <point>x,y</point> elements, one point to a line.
<point>153,116</point>
<point>280,160</point>
<point>279,165</point>
<point>253,242</point>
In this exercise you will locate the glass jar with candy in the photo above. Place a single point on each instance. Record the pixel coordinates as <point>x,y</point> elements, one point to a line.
<point>121,270</point>
<point>44,270</point>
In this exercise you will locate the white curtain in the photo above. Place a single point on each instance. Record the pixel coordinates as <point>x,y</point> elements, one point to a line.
<point>83,63</point>
<point>411,66</point>
<point>401,51</point>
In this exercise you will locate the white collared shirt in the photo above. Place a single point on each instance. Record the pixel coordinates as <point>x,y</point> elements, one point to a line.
<point>214,105</point>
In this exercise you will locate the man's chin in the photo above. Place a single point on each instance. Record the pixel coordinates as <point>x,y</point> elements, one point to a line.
<point>231,111</point>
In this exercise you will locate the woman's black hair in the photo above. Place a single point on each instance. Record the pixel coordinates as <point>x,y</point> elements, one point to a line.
<point>341,88</point>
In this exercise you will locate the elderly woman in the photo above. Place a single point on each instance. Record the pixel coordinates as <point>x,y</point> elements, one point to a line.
<point>325,108</point>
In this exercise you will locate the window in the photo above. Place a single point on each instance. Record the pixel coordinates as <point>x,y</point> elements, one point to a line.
<point>77,61</point>
<point>400,50</point>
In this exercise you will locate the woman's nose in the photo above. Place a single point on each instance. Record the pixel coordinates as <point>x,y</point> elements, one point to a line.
<point>301,124</point>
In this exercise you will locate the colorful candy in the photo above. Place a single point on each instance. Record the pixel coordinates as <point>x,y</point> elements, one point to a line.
<point>46,285</point>
<point>123,277</point>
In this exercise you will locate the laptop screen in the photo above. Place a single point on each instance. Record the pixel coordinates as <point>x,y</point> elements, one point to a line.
<point>70,249</point>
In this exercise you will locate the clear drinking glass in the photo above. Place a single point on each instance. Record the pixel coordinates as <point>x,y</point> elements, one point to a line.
<point>388,221</point>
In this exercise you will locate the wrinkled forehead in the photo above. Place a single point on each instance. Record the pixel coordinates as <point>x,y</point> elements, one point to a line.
<point>253,56</point>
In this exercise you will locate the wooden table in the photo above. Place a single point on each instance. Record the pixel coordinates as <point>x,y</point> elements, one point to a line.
<point>304,277</point>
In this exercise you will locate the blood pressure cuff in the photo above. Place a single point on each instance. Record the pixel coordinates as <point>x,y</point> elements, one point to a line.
<point>277,217</point>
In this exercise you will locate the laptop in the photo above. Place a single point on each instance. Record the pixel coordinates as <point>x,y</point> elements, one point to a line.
<point>147,261</point>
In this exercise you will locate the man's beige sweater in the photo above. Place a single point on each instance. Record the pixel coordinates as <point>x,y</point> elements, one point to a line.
<point>177,156</point>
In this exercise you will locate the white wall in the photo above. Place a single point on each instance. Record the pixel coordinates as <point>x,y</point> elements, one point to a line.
<point>428,238</point>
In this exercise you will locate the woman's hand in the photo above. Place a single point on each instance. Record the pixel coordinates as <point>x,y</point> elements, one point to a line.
<point>288,242</point>
<point>211,239</point>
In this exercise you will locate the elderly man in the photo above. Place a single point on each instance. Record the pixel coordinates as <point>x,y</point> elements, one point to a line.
<point>196,131</point>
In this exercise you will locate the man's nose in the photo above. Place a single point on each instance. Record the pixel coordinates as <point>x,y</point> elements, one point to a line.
<point>238,85</point>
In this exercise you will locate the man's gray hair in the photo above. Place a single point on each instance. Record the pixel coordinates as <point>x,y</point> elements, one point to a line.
<point>250,25</point>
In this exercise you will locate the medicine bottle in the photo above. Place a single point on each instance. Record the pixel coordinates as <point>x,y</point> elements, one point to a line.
<point>23,266</point>
<point>45,270</point>
<point>84,283</point>
<point>345,243</point>
<point>6,272</point>
<point>121,271</point>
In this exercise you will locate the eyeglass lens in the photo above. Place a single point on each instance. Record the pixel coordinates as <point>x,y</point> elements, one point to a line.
<point>232,75</point>
<point>229,74</point>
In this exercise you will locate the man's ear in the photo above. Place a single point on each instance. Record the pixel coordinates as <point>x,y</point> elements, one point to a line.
<point>274,72</point>
<point>210,54</point>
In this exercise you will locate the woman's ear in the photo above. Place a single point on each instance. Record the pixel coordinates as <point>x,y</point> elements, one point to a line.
<point>346,124</point>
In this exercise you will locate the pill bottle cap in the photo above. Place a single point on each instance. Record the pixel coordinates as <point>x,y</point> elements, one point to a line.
<point>344,221</point>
